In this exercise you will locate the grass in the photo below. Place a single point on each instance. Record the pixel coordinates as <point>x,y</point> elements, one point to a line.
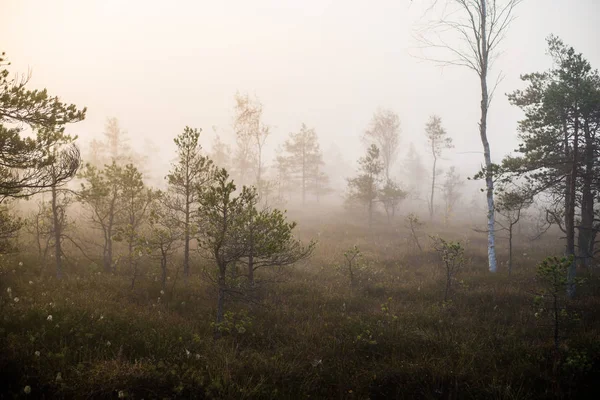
<point>309,336</point>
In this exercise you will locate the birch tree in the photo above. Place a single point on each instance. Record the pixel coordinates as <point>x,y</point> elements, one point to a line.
<point>251,134</point>
<point>384,132</point>
<point>468,33</point>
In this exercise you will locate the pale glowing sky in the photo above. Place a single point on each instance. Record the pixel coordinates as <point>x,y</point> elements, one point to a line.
<point>161,65</point>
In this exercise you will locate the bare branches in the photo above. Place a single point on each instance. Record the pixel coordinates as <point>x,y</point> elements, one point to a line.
<point>465,33</point>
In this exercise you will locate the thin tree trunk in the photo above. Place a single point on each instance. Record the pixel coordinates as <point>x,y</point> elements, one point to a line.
<point>304,174</point>
<point>432,187</point>
<point>510,248</point>
<point>220,301</point>
<point>251,262</point>
<point>448,281</point>
<point>163,265</point>
<point>186,239</point>
<point>57,234</point>
<point>587,201</point>
<point>484,140</point>
<point>570,210</point>
<point>556,322</point>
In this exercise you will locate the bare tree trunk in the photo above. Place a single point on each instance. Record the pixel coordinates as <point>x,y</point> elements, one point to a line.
<point>489,182</point>
<point>186,239</point>
<point>251,262</point>
<point>570,210</point>
<point>304,174</point>
<point>370,213</point>
<point>448,282</point>
<point>510,248</point>
<point>57,234</point>
<point>586,228</point>
<point>432,187</point>
<point>220,301</point>
<point>163,265</point>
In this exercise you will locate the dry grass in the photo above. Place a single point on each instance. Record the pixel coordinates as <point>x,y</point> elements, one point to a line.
<point>309,336</point>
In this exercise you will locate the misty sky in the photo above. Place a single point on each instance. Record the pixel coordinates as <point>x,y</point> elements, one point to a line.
<point>160,65</point>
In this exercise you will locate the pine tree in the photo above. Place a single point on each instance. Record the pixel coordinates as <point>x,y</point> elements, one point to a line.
<point>189,173</point>
<point>364,189</point>
<point>302,158</point>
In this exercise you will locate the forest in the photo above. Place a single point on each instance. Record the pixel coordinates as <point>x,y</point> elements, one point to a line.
<point>264,264</point>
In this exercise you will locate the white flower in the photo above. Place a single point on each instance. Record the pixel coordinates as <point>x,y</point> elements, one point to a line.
<point>162,292</point>
<point>27,389</point>
<point>8,290</point>
<point>31,282</point>
<point>101,317</point>
<point>197,356</point>
<point>187,353</point>
<point>37,353</point>
<point>20,263</point>
<point>49,319</point>
<point>16,299</point>
<point>140,253</point>
<point>108,343</point>
<point>121,394</point>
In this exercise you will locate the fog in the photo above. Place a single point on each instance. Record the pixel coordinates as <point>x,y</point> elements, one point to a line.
<point>158,66</point>
<point>358,242</point>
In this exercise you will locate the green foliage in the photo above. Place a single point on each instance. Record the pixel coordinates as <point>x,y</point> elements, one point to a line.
<point>188,176</point>
<point>384,132</point>
<point>25,162</point>
<point>364,189</point>
<point>551,302</point>
<point>390,195</point>
<point>552,273</point>
<point>453,259</point>
<point>354,267</point>
<point>437,137</point>
<point>118,202</point>
<point>302,159</point>
<point>234,323</point>
<point>414,223</point>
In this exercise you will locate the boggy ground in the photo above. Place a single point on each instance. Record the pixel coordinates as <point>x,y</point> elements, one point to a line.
<point>305,334</point>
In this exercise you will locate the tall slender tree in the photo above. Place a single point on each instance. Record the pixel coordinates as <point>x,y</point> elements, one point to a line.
<point>384,132</point>
<point>135,203</point>
<point>438,141</point>
<point>476,28</point>
<point>251,134</point>
<point>303,157</point>
<point>188,174</point>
